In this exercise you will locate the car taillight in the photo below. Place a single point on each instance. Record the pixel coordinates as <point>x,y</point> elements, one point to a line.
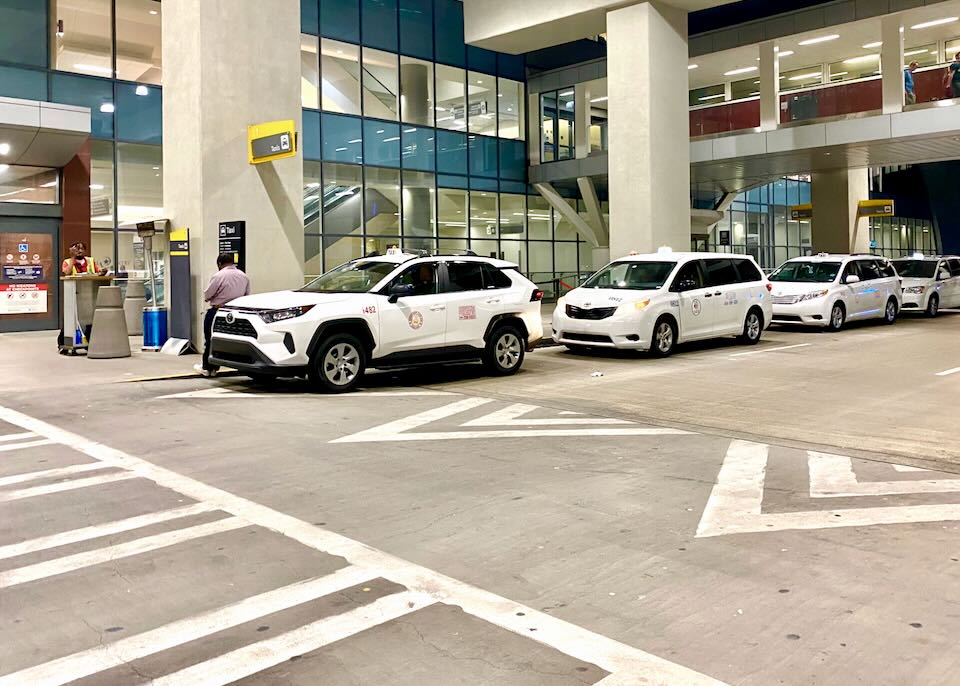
<point>769,287</point>
<point>537,296</point>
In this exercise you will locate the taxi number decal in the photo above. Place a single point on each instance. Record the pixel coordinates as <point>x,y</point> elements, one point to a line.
<point>467,312</point>
<point>369,309</point>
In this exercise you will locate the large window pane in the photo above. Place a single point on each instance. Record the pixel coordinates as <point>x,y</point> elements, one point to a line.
<point>512,215</point>
<point>31,185</point>
<point>516,252</point>
<point>451,99</point>
<point>311,198</point>
<point>310,143</point>
<point>139,113</point>
<point>483,214</point>
<point>418,206</point>
<point>416,91</point>
<point>800,78</point>
<point>923,55</point>
<point>310,22</point>
<point>340,249</point>
<point>513,160</point>
<point>449,36</point>
<point>540,269</point>
<point>22,83</point>
<point>139,41</point>
<point>342,200</point>
<point>418,145</point>
<point>382,201</point>
<point>452,213</point>
<point>416,28</point>
<point>101,185</point>
<point>482,103</point>
<point>548,126</point>
<point>97,94</point>
<point>379,19</point>
<point>709,95</point>
<point>81,36</point>
<point>23,32</point>
<point>857,67</point>
<point>309,72</point>
<point>139,183</point>
<point>381,84</point>
<point>483,156</point>
<point>511,109</point>
<point>451,152</point>
<point>381,143</point>
<point>341,138</point>
<point>484,248</point>
<point>340,19</point>
<point>539,224</point>
<point>340,69</point>
<point>566,143</point>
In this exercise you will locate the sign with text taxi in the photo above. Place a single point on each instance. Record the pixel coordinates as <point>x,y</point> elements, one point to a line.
<point>271,141</point>
<point>801,212</point>
<point>883,207</point>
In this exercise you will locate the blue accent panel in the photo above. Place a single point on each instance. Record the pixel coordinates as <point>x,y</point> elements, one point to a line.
<point>481,60</point>
<point>381,143</point>
<point>511,66</point>
<point>416,28</point>
<point>478,184</point>
<point>341,138</point>
<point>418,148</point>
<point>86,92</point>
<point>23,83</point>
<point>310,137</point>
<point>448,32</point>
<point>483,156</point>
<point>379,24</point>
<point>24,32</point>
<point>451,152</point>
<point>310,17</point>
<point>448,181</point>
<point>139,113</point>
<point>340,19</point>
<point>513,160</point>
<point>513,187</point>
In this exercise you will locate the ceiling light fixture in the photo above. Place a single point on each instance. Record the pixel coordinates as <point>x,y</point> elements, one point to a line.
<point>935,22</point>
<point>142,90</point>
<point>96,186</point>
<point>4,167</point>
<point>107,108</point>
<point>861,59</point>
<point>741,70</point>
<point>600,99</point>
<point>785,53</point>
<point>819,39</point>
<point>911,53</point>
<point>804,77</point>
<point>154,12</point>
<point>871,46</point>
<point>712,97</point>
<point>4,148</point>
<point>566,94</point>
<point>693,66</point>
<point>96,69</point>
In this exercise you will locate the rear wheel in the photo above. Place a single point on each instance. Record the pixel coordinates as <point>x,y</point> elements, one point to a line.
<point>837,317</point>
<point>337,364</point>
<point>890,312</point>
<point>933,306</point>
<point>505,351</point>
<point>752,328</point>
<point>664,337</point>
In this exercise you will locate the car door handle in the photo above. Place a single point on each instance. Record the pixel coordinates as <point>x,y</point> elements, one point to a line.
<point>493,301</point>
<point>438,308</point>
<point>718,293</point>
<point>708,295</point>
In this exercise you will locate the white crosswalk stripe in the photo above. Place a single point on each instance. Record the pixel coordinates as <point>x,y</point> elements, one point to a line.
<point>60,486</point>
<point>10,447</point>
<point>16,437</point>
<point>52,473</point>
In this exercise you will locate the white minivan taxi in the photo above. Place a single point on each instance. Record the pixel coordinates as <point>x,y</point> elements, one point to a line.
<point>929,282</point>
<point>653,302</point>
<point>829,290</point>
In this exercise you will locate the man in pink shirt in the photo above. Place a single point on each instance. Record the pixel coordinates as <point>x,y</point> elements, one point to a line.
<point>229,283</point>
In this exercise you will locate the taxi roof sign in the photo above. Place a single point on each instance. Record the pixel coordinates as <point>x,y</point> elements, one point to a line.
<point>275,140</point>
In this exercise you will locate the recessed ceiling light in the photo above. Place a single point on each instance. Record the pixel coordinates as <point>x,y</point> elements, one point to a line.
<point>107,108</point>
<point>142,90</point>
<point>819,39</point>
<point>96,186</point>
<point>741,70</point>
<point>871,46</point>
<point>154,12</point>
<point>785,53</point>
<point>935,22</point>
<point>4,167</point>
<point>156,169</point>
<point>601,99</point>
<point>712,97</point>
<point>804,77</point>
<point>693,66</point>
<point>862,58</point>
<point>911,53</point>
<point>4,148</point>
<point>94,68</point>
<point>566,94</point>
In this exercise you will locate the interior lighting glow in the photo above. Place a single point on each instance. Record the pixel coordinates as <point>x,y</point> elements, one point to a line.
<point>804,77</point>
<point>96,69</point>
<point>861,58</point>
<point>911,53</point>
<point>600,99</point>
<point>935,22</point>
<point>819,39</point>
<point>4,167</point>
<point>107,108</point>
<point>785,53</point>
<point>142,90</point>
<point>741,70</point>
<point>712,97</point>
<point>693,66</point>
<point>871,46</point>
<point>96,187</point>
<point>4,148</point>
<point>566,94</point>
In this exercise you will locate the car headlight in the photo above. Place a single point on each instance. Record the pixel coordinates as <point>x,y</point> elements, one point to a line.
<point>274,316</point>
<point>638,306</point>
<point>814,295</point>
<point>916,290</point>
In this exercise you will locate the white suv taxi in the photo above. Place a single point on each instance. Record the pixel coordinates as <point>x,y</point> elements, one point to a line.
<point>828,290</point>
<point>396,310</point>
<point>653,302</point>
<point>929,282</point>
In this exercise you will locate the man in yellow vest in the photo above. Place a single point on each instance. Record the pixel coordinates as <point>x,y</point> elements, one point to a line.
<point>78,262</point>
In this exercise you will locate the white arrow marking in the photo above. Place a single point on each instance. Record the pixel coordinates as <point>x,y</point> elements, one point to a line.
<point>228,393</point>
<point>511,416</point>
<point>832,476</point>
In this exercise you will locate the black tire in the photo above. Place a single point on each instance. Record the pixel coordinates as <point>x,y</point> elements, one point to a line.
<point>664,339</point>
<point>338,364</point>
<point>838,315</point>
<point>890,312</point>
<point>933,306</point>
<point>506,348</point>
<point>752,327</point>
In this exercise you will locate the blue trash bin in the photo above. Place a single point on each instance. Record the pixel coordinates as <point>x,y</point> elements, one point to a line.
<point>154,327</point>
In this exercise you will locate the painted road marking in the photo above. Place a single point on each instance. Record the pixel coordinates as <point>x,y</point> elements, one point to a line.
<point>221,393</point>
<point>90,532</point>
<point>634,666</point>
<point>772,350</point>
<point>107,656</point>
<point>906,468</point>
<point>69,563</point>
<point>20,446</point>
<point>16,437</point>
<point>256,657</point>
<point>52,473</point>
<point>948,372</point>
<point>60,486</point>
<point>832,476</point>
<point>402,429</point>
<point>735,503</point>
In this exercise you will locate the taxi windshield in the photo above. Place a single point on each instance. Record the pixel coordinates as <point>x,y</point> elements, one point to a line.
<point>807,272</point>
<point>916,269</point>
<point>633,276</point>
<point>353,277</point>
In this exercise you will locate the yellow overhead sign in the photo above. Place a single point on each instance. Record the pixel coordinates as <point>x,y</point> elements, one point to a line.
<point>876,208</point>
<point>801,212</point>
<point>271,141</point>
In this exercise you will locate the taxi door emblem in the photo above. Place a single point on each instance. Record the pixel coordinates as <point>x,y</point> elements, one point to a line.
<point>415,320</point>
<point>696,307</point>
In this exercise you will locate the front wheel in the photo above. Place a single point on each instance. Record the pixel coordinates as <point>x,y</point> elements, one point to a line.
<point>890,312</point>
<point>752,328</point>
<point>337,364</point>
<point>505,351</point>
<point>933,306</point>
<point>837,316</point>
<point>664,337</point>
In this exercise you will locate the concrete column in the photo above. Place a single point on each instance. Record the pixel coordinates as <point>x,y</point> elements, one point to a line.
<point>581,126</point>
<point>415,101</point>
<point>649,156</point>
<point>835,196</point>
<point>891,62</point>
<point>769,87</point>
<point>222,76</point>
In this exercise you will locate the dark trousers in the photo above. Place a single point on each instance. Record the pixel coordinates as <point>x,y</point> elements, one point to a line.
<point>207,335</point>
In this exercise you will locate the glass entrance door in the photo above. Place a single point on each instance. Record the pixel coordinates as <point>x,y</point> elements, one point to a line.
<point>29,275</point>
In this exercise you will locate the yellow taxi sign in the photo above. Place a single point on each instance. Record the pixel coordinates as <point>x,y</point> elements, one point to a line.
<point>274,140</point>
<point>801,212</point>
<point>883,207</point>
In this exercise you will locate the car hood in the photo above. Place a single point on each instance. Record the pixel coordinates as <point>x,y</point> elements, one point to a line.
<point>603,297</point>
<point>280,299</point>
<point>913,281</point>
<point>797,288</point>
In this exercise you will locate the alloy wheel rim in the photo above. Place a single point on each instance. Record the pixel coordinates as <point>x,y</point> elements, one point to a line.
<point>508,351</point>
<point>753,326</point>
<point>891,311</point>
<point>664,337</point>
<point>837,316</point>
<point>934,306</point>
<point>341,364</point>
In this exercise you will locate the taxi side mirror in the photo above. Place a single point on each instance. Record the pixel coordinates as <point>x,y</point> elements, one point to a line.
<point>851,279</point>
<point>684,285</point>
<point>397,291</point>
<point>943,275</point>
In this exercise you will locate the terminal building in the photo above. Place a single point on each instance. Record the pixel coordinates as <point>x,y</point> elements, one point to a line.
<point>553,133</point>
